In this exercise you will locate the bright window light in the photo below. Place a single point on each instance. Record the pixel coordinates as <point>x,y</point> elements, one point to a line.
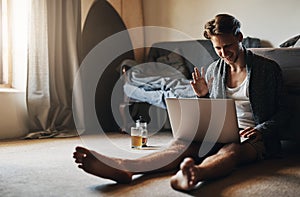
<point>14,41</point>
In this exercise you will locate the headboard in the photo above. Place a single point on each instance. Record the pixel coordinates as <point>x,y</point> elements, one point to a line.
<point>101,22</point>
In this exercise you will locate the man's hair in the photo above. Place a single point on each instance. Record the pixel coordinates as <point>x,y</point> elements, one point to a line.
<point>222,24</point>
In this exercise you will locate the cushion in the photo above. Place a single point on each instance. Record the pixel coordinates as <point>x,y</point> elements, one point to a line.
<point>290,42</point>
<point>297,44</point>
<point>176,61</point>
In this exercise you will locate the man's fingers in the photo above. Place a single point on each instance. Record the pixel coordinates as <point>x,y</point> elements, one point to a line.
<point>252,135</point>
<point>194,77</point>
<point>246,130</point>
<point>202,71</point>
<point>249,133</point>
<point>197,73</point>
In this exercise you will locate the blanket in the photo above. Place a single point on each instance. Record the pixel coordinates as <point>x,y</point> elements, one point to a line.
<point>154,82</point>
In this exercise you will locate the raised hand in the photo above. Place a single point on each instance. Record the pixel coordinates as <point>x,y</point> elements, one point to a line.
<point>198,83</point>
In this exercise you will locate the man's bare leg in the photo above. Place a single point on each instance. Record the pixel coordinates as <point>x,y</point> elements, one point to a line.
<point>214,166</point>
<point>122,170</point>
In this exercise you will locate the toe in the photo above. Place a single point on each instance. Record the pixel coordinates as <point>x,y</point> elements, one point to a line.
<point>80,149</point>
<point>79,157</point>
<point>187,163</point>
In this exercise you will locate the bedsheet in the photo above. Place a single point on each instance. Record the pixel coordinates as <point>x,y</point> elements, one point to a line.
<point>154,82</point>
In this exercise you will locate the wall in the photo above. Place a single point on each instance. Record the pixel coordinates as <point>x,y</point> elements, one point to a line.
<point>273,21</point>
<point>13,113</point>
<point>85,6</point>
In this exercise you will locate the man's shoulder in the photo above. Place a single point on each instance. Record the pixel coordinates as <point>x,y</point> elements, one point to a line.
<point>261,61</point>
<point>260,58</point>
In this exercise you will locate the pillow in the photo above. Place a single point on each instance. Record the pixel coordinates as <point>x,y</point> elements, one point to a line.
<point>290,42</point>
<point>250,42</point>
<point>176,61</point>
<point>297,44</point>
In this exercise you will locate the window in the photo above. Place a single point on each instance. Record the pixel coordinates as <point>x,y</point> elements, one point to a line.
<point>13,40</point>
<point>3,44</point>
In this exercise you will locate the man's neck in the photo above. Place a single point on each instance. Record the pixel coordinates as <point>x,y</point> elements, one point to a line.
<point>240,64</point>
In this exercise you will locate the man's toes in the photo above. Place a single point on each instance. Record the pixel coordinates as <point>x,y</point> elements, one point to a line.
<point>79,157</point>
<point>78,160</point>
<point>80,149</point>
<point>75,155</point>
<point>187,163</point>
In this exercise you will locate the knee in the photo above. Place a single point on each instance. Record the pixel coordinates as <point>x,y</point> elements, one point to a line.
<point>179,143</point>
<point>186,148</point>
<point>233,151</point>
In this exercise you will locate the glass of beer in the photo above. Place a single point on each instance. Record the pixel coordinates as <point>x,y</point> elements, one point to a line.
<point>136,137</point>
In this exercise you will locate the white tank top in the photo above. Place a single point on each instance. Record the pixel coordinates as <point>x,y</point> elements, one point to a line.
<point>241,96</point>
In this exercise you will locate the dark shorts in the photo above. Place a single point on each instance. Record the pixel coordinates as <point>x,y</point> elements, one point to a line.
<point>260,148</point>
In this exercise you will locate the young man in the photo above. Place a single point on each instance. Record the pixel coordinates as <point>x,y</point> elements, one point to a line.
<point>256,85</point>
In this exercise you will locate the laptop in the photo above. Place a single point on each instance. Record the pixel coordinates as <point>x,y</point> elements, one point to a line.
<point>204,119</point>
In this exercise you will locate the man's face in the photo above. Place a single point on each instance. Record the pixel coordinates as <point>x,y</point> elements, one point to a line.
<point>228,46</point>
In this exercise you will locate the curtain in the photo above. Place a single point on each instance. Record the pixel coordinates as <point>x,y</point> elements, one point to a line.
<point>53,51</point>
<point>131,11</point>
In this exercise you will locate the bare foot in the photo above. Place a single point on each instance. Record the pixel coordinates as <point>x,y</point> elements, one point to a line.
<point>187,177</point>
<point>101,166</point>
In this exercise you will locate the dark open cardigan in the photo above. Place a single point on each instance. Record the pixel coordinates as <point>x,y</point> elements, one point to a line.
<point>266,94</point>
